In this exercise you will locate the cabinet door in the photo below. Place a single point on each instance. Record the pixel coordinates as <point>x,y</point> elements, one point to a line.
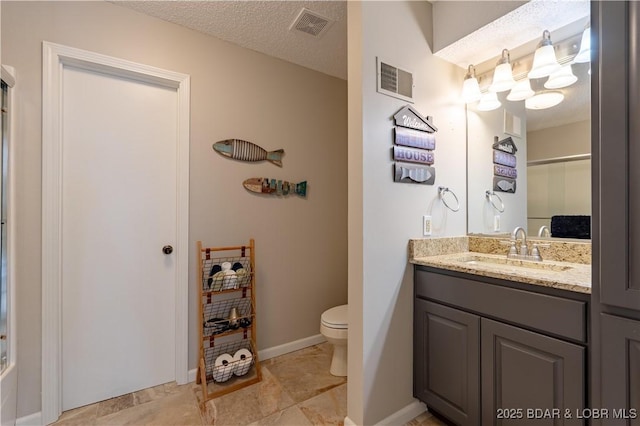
<point>621,370</point>
<point>523,370</point>
<point>619,153</point>
<point>446,361</point>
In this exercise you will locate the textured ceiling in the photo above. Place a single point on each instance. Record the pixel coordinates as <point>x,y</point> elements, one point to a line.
<point>520,31</point>
<point>514,29</point>
<point>262,26</point>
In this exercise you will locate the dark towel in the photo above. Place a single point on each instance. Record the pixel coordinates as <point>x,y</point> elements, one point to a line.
<point>571,227</point>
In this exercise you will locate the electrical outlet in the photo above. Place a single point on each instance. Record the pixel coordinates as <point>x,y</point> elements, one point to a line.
<point>426,225</point>
<point>496,223</point>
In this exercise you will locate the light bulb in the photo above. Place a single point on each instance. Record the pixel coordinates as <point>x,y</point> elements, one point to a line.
<point>503,74</point>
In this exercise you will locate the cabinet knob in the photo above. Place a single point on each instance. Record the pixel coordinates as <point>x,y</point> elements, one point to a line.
<point>167,249</point>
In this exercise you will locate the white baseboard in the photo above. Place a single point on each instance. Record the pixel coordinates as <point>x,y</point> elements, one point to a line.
<point>191,375</point>
<point>404,415</point>
<point>290,347</point>
<point>34,419</point>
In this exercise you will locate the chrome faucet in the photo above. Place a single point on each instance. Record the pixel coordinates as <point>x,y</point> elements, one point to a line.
<point>523,253</point>
<point>524,250</point>
<point>544,231</point>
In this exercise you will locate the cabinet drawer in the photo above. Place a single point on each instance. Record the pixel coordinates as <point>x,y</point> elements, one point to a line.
<point>555,315</point>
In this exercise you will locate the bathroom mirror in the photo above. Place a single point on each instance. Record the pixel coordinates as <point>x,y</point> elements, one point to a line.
<point>553,161</point>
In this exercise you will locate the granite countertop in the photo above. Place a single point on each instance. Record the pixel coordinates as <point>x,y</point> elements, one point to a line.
<point>455,255</point>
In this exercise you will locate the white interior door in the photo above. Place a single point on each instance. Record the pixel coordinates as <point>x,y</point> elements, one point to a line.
<point>119,147</point>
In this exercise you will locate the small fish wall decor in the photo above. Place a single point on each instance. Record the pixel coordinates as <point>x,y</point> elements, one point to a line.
<point>414,173</point>
<point>504,184</point>
<point>247,151</point>
<point>276,187</point>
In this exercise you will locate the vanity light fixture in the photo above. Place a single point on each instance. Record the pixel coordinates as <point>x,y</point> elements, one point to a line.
<point>561,78</point>
<point>488,102</point>
<point>584,55</point>
<point>470,87</point>
<point>521,91</point>
<point>544,100</point>
<point>503,74</point>
<point>544,60</point>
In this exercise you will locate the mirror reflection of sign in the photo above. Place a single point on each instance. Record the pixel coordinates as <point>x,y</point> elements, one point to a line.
<point>505,145</point>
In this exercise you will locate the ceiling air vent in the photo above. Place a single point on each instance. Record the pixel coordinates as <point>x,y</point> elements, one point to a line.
<point>394,81</point>
<point>311,23</point>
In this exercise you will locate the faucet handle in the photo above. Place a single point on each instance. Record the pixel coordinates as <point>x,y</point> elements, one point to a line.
<point>512,250</point>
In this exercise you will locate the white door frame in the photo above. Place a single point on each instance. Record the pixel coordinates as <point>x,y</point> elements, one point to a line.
<point>54,58</point>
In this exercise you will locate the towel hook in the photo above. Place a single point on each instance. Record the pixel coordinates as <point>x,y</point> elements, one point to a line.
<point>491,196</point>
<point>441,192</point>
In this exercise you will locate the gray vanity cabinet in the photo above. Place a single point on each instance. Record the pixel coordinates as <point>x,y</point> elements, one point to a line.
<point>447,361</point>
<point>522,371</point>
<point>486,351</point>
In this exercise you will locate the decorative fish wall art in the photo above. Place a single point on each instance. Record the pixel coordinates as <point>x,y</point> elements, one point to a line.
<point>414,173</point>
<point>504,184</point>
<point>277,187</point>
<point>247,151</point>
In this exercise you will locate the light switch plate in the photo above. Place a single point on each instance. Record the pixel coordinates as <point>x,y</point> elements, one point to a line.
<point>426,225</point>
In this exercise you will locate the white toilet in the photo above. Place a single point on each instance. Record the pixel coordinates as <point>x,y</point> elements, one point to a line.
<point>334,326</point>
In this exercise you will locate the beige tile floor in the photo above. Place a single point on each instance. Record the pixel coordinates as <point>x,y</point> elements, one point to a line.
<point>296,390</point>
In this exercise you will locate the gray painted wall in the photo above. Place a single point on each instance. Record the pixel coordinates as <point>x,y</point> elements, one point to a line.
<point>301,245</point>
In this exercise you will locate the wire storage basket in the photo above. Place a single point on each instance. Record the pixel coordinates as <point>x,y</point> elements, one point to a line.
<point>228,355</point>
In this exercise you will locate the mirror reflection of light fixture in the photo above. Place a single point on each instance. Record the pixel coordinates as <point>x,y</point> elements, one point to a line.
<point>521,91</point>
<point>488,102</point>
<point>544,60</point>
<point>562,78</point>
<point>470,87</point>
<point>503,74</point>
<point>544,100</point>
<point>584,55</point>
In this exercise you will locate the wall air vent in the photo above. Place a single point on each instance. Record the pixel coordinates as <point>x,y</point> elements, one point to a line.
<point>394,81</point>
<point>311,23</point>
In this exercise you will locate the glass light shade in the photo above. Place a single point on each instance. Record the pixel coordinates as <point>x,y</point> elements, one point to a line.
<point>521,91</point>
<point>502,78</point>
<point>544,62</point>
<point>562,78</point>
<point>488,102</point>
<point>471,90</point>
<point>544,100</point>
<point>584,55</point>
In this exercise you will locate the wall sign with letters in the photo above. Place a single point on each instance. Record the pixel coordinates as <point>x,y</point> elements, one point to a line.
<point>415,140</point>
<point>505,165</point>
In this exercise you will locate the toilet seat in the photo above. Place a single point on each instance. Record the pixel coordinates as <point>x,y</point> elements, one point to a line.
<point>336,317</point>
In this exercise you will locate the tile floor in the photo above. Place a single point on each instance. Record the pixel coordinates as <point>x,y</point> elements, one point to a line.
<point>296,389</point>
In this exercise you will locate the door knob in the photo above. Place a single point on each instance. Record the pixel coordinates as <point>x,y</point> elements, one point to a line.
<point>167,249</point>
